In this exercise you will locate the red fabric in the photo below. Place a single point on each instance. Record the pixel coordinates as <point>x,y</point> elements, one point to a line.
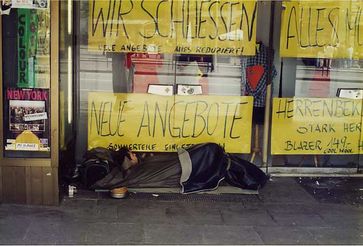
<point>128,61</point>
<point>254,75</point>
<point>320,84</point>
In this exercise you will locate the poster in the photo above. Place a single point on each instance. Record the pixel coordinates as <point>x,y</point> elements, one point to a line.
<point>30,4</point>
<point>329,126</point>
<point>154,123</point>
<point>33,49</point>
<point>5,7</point>
<point>42,58</point>
<point>226,27</point>
<point>322,29</point>
<point>27,120</point>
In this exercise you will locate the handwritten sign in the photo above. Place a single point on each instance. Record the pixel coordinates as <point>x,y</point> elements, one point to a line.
<point>327,126</point>
<point>152,123</point>
<point>225,27</point>
<point>322,29</point>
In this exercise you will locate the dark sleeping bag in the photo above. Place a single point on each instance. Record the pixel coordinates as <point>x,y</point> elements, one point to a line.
<point>244,174</point>
<point>199,168</point>
<point>159,171</point>
<point>203,167</point>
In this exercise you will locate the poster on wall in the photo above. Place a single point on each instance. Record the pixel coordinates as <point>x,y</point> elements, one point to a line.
<point>154,123</point>
<point>26,121</point>
<point>33,49</point>
<point>42,57</point>
<point>30,4</point>
<point>225,27</point>
<point>326,126</point>
<point>322,29</point>
<point>5,7</point>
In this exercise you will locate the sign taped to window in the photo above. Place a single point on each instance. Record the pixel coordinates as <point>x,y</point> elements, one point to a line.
<point>226,27</point>
<point>154,123</point>
<point>311,126</point>
<point>322,29</point>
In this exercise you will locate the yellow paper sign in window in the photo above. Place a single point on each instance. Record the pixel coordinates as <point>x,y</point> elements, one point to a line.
<point>327,126</point>
<point>226,27</point>
<point>152,123</point>
<point>322,29</point>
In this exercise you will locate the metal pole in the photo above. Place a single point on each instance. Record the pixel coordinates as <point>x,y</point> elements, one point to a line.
<point>266,131</point>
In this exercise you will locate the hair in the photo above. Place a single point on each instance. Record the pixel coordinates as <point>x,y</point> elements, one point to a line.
<point>120,156</point>
<point>121,153</point>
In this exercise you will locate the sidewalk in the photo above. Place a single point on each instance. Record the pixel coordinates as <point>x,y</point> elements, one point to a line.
<point>283,213</point>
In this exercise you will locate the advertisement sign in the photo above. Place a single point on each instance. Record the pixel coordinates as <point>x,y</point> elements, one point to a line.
<point>5,7</point>
<point>27,120</point>
<point>328,126</point>
<point>153,123</point>
<point>322,29</point>
<point>30,4</point>
<point>168,26</point>
<point>27,40</point>
<point>33,49</point>
<point>42,59</point>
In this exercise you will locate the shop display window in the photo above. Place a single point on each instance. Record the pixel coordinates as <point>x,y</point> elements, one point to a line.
<point>288,58</point>
<point>321,66</point>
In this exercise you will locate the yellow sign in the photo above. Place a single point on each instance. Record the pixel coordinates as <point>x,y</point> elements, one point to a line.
<point>322,29</point>
<point>327,126</point>
<point>27,140</point>
<point>153,123</point>
<point>225,27</point>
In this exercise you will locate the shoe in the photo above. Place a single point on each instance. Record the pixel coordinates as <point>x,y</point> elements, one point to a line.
<point>120,192</point>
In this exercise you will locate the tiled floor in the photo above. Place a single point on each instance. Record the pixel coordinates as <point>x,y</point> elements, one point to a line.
<point>282,213</point>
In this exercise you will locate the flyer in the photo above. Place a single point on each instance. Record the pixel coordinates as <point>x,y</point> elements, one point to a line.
<point>30,4</point>
<point>26,121</point>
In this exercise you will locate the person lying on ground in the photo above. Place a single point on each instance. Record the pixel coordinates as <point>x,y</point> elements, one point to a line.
<point>199,168</point>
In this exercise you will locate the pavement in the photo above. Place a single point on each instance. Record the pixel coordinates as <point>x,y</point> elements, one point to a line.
<point>286,211</point>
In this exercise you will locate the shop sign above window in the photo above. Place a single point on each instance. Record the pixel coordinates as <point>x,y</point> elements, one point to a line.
<point>322,29</point>
<point>226,27</point>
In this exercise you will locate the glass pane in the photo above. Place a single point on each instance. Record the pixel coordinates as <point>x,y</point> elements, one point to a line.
<point>138,54</point>
<point>26,81</point>
<point>317,109</point>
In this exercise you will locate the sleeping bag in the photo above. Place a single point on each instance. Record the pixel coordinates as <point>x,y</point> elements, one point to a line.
<point>199,168</point>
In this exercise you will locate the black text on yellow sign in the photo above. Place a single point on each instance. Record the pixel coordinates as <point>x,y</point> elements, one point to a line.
<point>322,29</point>
<point>146,122</point>
<point>316,126</point>
<point>225,27</point>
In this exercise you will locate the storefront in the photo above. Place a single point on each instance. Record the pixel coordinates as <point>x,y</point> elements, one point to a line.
<point>278,82</point>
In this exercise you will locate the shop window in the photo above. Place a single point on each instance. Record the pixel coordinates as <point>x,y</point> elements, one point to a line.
<point>135,66</point>
<point>142,67</point>
<point>319,67</point>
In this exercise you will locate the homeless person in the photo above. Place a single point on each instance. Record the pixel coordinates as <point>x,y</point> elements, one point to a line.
<point>199,168</point>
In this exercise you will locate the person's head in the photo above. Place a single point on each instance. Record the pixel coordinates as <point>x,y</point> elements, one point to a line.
<point>127,158</point>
